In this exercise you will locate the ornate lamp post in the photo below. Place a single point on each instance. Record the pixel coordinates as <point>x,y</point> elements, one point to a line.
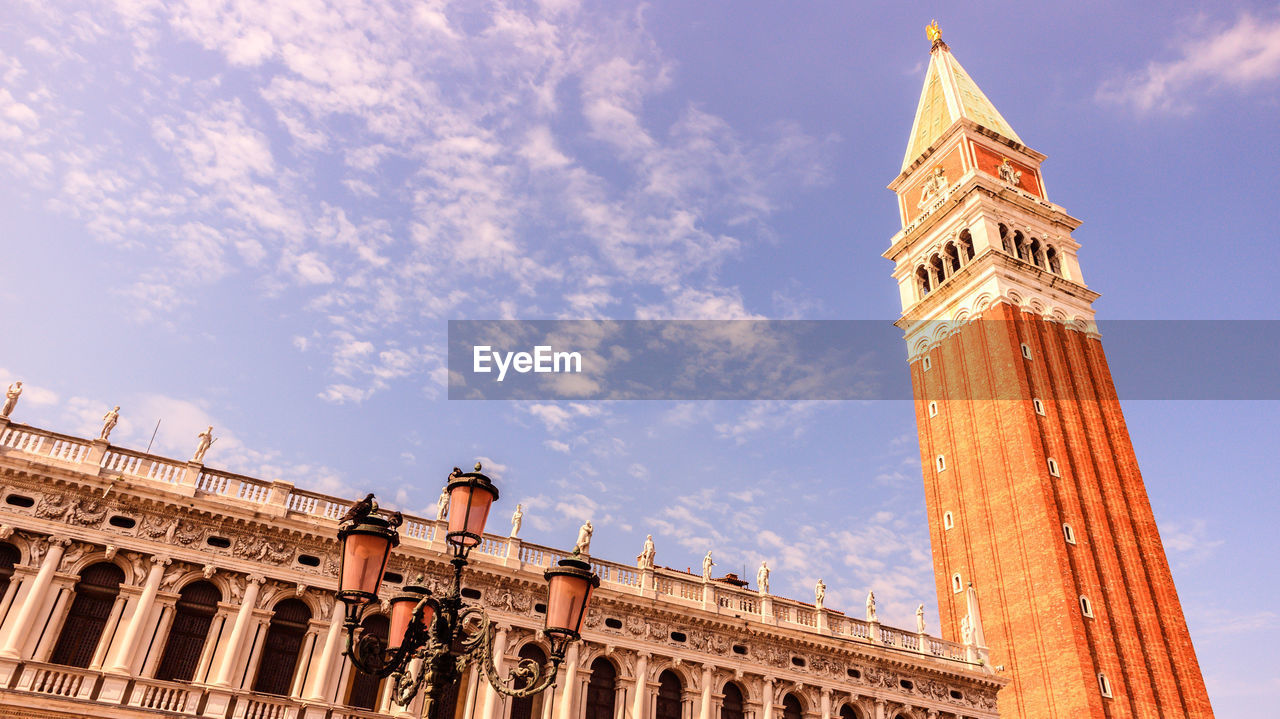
<point>431,639</point>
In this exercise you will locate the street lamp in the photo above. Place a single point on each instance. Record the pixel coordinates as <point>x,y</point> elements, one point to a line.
<point>431,640</point>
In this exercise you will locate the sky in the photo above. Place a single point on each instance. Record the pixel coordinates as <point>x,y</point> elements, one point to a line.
<point>262,216</point>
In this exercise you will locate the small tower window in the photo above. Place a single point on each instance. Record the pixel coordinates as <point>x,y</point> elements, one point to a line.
<point>1104,685</point>
<point>1004,240</point>
<point>1038,405</point>
<point>948,521</point>
<point>957,586</point>
<point>933,409</point>
<point>1053,467</point>
<point>1085,607</point>
<point>966,246</point>
<point>922,281</point>
<point>1055,265</point>
<point>942,463</point>
<point>1026,351</point>
<point>926,364</point>
<point>1019,246</point>
<point>1068,533</point>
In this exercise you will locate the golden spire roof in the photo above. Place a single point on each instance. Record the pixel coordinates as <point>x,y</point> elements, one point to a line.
<point>948,95</point>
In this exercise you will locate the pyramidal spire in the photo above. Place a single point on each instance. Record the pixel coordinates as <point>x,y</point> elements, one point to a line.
<point>948,95</point>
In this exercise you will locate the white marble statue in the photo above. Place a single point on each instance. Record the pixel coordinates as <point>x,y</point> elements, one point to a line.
<point>871,607</point>
<point>442,505</point>
<point>707,564</point>
<point>517,517</point>
<point>1009,173</point>
<point>819,594</point>
<point>645,560</point>
<point>762,578</point>
<point>920,619</point>
<point>966,630</point>
<point>11,399</point>
<point>583,545</point>
<point>109,423</point>
<point>206,441</point>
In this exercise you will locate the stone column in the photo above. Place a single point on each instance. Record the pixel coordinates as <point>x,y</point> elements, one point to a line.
<point>570,679</point>
<point>491,699</point>
<point>234,642</point>
<point>22,622</point>
<point>14,583</point>
<point>113,621</point>
<point>705,713</point>
<point>881,712</point>
<point>767,698</point>
<point>826,703</point>
<point>123,662</point>
<point>301,674</point>
<point>332,642</point>
<point>642,685</point>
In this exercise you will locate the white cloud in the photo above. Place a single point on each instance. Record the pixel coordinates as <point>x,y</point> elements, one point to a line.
<point>1241,57</point>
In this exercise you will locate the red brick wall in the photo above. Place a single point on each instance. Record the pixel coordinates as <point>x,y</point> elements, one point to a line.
<point>1008,510</point>
<point>989,162</point>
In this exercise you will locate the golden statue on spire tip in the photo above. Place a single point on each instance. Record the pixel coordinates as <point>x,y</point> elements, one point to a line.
<point>934,34</point>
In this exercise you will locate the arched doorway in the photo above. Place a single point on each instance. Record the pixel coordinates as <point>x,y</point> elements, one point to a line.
<point>529,707</point>
<point>197,603</point>
<point>601,690</point>
<point>280,650</point>
<point>732,706</point>
<point>96,592</point>
<point>791,708</point>
<point>364,687</point>
<point>670,696</point>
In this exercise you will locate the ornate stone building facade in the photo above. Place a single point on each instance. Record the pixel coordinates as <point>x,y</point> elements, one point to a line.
<point>1031,483</point>
<point>132,585</point>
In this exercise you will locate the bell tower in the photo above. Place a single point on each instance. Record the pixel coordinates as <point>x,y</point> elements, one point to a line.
<point>1031,483</point>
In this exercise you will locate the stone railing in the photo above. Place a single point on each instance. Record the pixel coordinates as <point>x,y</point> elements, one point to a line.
<point>171,698</point>
<point>678,587</point>
<point>58,681</point>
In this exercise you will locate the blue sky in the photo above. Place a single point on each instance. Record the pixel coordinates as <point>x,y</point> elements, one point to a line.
<point>261,217</point>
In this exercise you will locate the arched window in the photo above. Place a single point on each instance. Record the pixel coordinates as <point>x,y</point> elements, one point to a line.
<point>602,689</point>
<point>848,712</point>
<point>197,603</point>
<point>966,246</point>
<point>9,556</point>
<point>791,707</point>
<point>95,593</point>
<point>731,707</point>
<point>937,269</point>
<point>670,692</point>
<point>1004,240</point>
<point>922,280</point>
<point>529,707</point>
<point>1037,255</point>
<point>364,687</point>
<point>952,258</point>
<point>281,648</point>
<point>1019,246</point>
<point>1055,265</point>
